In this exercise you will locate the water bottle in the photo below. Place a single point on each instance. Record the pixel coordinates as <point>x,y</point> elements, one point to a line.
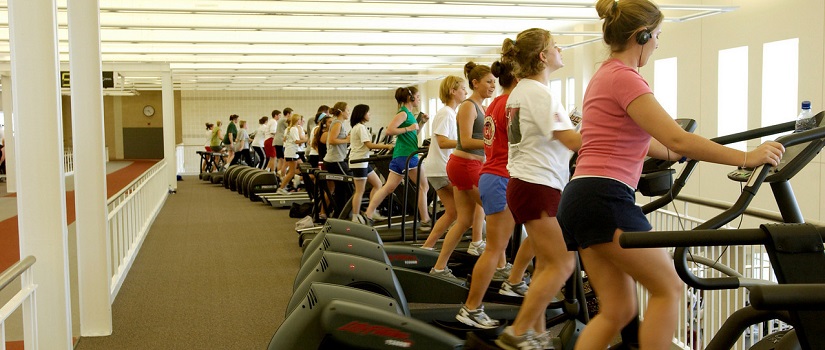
<point>805,120</point>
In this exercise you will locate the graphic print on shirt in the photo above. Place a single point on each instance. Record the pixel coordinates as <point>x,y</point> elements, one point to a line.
<point>513,126</point>
<point>489,130</point>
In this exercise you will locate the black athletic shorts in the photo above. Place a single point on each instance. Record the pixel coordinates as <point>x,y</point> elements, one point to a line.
<point>592,208</point>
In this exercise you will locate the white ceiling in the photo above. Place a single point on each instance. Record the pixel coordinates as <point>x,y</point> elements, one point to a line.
<point>321,44</point>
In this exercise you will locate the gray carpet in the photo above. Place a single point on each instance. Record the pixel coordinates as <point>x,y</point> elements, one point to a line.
<point>215,272</point>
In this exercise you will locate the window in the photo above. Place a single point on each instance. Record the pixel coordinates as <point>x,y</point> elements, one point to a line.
<point>664,79</point>
<point>570,96</point>
<point>780,82</point>
<point>732,105</point>
<point>555,88</point>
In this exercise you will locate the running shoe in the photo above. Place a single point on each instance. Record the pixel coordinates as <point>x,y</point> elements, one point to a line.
<point>547,341</point>
<point>509,341</point>
<point>476,248</point>
<point>475,318</point>
<point>502,273</point>
<point>446,273</point>
<point>376,216</point>
<point>513,290</point>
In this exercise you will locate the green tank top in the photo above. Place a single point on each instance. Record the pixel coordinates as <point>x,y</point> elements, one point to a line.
<point>215,141</point>
<point>406,143</point>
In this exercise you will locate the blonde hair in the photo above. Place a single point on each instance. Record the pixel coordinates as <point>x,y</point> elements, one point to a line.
<point>525,51</point>
<point>450,83</point>
<point>293,119</point>
<point>242,123</point>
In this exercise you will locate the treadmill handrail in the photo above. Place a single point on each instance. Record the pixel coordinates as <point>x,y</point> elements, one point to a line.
<point>424,152</point>
<point>701,237</point>
<point>681,180</point>
<point>788,296</point>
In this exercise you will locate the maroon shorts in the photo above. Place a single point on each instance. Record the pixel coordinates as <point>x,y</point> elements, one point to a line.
<point>269,150</point>
<point>528,200</point>
<point>463,172</point>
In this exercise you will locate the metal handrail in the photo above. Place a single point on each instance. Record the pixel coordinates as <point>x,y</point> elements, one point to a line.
<point>11,273</point>
<point>757,213</point>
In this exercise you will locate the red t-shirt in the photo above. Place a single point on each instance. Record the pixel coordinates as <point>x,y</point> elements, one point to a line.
<point>613,145</point>
<point>495,138</point>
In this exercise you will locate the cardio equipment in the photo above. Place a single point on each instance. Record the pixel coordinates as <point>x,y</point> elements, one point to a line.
<point>795,251</point>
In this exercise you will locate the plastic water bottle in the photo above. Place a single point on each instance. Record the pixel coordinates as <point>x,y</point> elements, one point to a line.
<point>805,120</point>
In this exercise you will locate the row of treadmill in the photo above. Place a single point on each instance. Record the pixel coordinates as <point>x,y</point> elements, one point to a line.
<point>362,287</point>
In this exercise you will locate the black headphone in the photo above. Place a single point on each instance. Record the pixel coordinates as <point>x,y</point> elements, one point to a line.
<point>412,97</point>
<point>643,36</point>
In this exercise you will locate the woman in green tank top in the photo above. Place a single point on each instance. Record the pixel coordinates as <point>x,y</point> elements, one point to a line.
<point>405,126</point>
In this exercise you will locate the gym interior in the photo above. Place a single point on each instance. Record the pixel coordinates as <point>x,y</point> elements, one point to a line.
<point>110,238</point>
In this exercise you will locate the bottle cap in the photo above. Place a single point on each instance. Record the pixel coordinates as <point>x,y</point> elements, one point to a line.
<point>806,104</point>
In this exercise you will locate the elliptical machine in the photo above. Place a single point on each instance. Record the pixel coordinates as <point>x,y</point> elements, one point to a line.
<point>795,252</point>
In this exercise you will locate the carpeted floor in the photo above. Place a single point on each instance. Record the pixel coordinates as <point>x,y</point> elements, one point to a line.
<point>215,272</point>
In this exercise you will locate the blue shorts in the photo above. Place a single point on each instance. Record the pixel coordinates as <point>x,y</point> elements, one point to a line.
<point>592,208</point>
<point>398,164</point>
<point>361,173</point>
<point>493,190</point>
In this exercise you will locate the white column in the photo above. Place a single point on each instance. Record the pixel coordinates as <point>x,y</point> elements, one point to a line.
<point>168,98</point>
<point>117,104</point>
<point>41,200</point>
<point>8,112</point>
<point>93,267</point>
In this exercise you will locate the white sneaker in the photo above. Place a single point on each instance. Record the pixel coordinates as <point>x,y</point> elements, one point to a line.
<point>476,248</point>
<point>475,318</point>
<point>359,219</point>
<point>377,217</point>
<point>282,191</point>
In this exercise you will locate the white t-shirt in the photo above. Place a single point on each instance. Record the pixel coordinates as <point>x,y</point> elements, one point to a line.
<point>535,156</point>
<point>290,147</point>
<point>273,128</point>
<point>358,149</point>
<point>444,124</point>
<point>301,135</point>
<point>312,150</point>
<point>260,135</point>
<point>208,138</point>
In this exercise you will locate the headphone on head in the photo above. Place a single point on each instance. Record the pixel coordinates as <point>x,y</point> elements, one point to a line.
<point>412,97</point>
<point>643,36</point>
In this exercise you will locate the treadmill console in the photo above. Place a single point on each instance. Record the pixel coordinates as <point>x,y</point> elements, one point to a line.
<point>795,158</point>
<point>657,176</point>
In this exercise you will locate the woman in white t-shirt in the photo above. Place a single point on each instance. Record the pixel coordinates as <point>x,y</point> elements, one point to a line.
<point>258,138</point>
<point>292,138</point>
<point>540,136</point>
<point>442,142</point>
<point>361,147</point>
<point>243,140</point>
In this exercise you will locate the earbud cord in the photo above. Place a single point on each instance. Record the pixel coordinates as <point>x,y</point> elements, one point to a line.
<point>639,64</point>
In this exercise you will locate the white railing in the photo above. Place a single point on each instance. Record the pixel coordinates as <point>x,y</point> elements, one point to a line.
<point>704,312</point>
<point>189,160</point>
<point>25,298</point>
<point>131,213</point>
<point>68,161</point>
